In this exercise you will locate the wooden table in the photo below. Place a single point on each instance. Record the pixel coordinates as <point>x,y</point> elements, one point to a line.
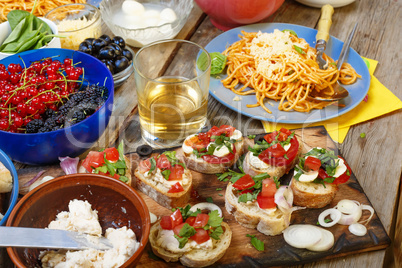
<point>376,160</point>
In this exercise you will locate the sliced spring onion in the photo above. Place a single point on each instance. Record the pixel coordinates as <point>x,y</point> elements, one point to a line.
<point>334,214</point>
<point>325,243</point>
<point>302,235</point>
<point>206,206</point>
<point>357,229</point>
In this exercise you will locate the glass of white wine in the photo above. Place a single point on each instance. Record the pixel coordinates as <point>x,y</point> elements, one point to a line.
<point>172,91</point>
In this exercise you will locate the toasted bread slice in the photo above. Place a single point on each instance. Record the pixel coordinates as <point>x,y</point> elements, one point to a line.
<point>192,257</point>
<point>198,164</point>
<point>312,195</point>
<point>6,180</point>
<point>159,192</point>
<point>251,216</point>
<point>273,171</point>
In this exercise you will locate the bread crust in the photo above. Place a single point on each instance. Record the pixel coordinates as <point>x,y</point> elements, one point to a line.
<point>161,196</point>
<point>312,195</point>
<point>273,171</point>
<point>194,257</point>
<point>251,216</point>
<point>6,180</point>
<point>198,164</point>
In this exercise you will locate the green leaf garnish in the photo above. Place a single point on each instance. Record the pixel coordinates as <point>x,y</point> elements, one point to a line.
<point>209,199</point>
<point>258,244</point>
<point>290,31</point>
<point>214,219</point>
<point>299,49</point>
<point>153,165</point>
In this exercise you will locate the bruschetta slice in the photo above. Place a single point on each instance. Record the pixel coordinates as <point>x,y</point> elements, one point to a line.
<point>194,238</point>
<point>165,179</point>
<point>276,154</point>
<point>213,151</point>
<point>317,176</point>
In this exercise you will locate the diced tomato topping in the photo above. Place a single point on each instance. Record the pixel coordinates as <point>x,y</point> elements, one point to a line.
<point>345,176</point>
<point>112,154</point>
<point>190,220</point>
<point>247,191</point>
<point>198,142</point>
<point>267,156</point>
<point>244,182</point>
<point>176,229</point>
<point>265,202</point>
<point>322,174</point>
<point>268,188</point>
<point>201,220</point>
<point>285,130</point>
<point>176,218</point>
<point>213,159</point>
<point>176,188</point>
<point>276,150</point>
<point>282,136</point>
<point>144,165</point>
<point>200,236</point>
<point>270,137</point>
<point>162,162</point>
<point>224,129</point>
<point>176,173</point>
<point>312,163</point>
<point>166,223</point>
<point>93,160</point>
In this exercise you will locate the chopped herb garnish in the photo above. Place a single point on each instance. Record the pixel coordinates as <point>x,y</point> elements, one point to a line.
<point>219,189</point>
<point>209,199</point>
<point>258,244</point>
<point>299,49</point>
<point>251,136</point>
<point>153,165</point>
<point>362,135</point>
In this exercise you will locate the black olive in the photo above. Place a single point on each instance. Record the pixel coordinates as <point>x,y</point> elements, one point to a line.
<point>119,41</point>
<point>117,48</point>
<point>90,40</point>
<point>259,137</point>
<point>97,45</point>
<point>107,53</point>
<point>109,65</point>
<point>86,47</point>
<point>126,53</point>
<point>144,150</point>
<point>120,63</point>
<point>106,38</point>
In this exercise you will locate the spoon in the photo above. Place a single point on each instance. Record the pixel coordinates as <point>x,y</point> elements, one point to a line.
<point>339,91</point>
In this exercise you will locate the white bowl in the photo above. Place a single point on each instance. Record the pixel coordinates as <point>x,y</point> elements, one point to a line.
<point>5,31</point>
<point>320,3</point>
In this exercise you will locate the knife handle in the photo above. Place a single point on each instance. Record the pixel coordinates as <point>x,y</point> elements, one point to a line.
<point>324,24</point>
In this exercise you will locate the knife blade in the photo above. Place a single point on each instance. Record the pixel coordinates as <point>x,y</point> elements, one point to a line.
<point>50,239</point>
<point>322,37</point>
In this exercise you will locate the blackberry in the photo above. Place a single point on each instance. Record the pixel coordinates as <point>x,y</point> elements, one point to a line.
<point>50,113</point>
<point>34,126</point>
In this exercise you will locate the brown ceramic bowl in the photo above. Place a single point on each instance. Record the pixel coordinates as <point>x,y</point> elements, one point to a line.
<point>108,196</point>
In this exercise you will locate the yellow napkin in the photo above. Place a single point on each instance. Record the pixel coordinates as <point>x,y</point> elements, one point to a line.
<point>380,101</point>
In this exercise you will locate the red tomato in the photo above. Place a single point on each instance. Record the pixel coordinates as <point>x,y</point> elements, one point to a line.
<point>224,129</point>
<point>281,160</point>
<point>265,202</point>
<point>190,220</point>
<point>344,177</point>
<point>112,154</point>
<point>176,173</point>
<point>144,165</point>
<point>276,150</point>
<point>200,236</point>
<point>286,131</point>
<point>212,159</point>
<point>93,160</point>
<point>282,136</point>
<point>244,182</point>
<point>270,137</point>
<point>322,174</point>
<point>176,229</point>
<point>268,188</point>
<point>201,220</point>
<point>312,163</point>
<point>198,142</point>
<point>247,191</point>
<point>176,218</point>
<point>162,162</point>
<point>166,223</point>
<point>176,188</point>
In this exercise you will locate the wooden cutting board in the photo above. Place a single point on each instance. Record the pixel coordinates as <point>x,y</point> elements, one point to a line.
<point>277,252</point>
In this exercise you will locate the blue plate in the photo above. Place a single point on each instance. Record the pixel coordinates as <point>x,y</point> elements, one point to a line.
<point>357,91</point>
<point>14,192</point>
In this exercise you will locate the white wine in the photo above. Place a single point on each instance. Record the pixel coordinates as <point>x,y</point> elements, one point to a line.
<point>171,109</point>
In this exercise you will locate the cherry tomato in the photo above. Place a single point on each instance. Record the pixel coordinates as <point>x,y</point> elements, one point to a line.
<point>166,223</point>
<point>201,220</point>
<point>176,173</point>
<point>198,142</point>
<point>345,176</point>
<point>265,202</point>
<point>282,136</point>
<point>176,188</point>
<point>224,129</point>
<point>291,153</point>
<point>200,236</point>
<point>177,228</point>
<point>144,165</point>
<point>268,188</point>
<point>312,163</point>
<point>270,137</point>
<point>176,218</point>
<point>162,162</point>
<point>286,131</point>
<point>244,182</point>
<point>112,154</point>
<point>190,220</point>
<point>213,159</point>
<point>93,160</point>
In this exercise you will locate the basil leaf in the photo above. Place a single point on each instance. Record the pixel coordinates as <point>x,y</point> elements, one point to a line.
<point>214,219</point>
<point>153,165</point>
<point>244,198</point>
<point>123,178</point>
<point>251,136</point>
<point>101,169</point>
<point>299,49</point>
<point>166,174</point>
<point>290,31</point>
<point>258,244</point>
<point>218,62</point>
<point>277,182</point>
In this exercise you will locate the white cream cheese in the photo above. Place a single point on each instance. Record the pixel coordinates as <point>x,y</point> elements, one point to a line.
<point>167,241</point>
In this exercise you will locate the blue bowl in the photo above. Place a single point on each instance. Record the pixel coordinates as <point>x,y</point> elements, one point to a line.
<point>46,148</point>
<point>14,191</point>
